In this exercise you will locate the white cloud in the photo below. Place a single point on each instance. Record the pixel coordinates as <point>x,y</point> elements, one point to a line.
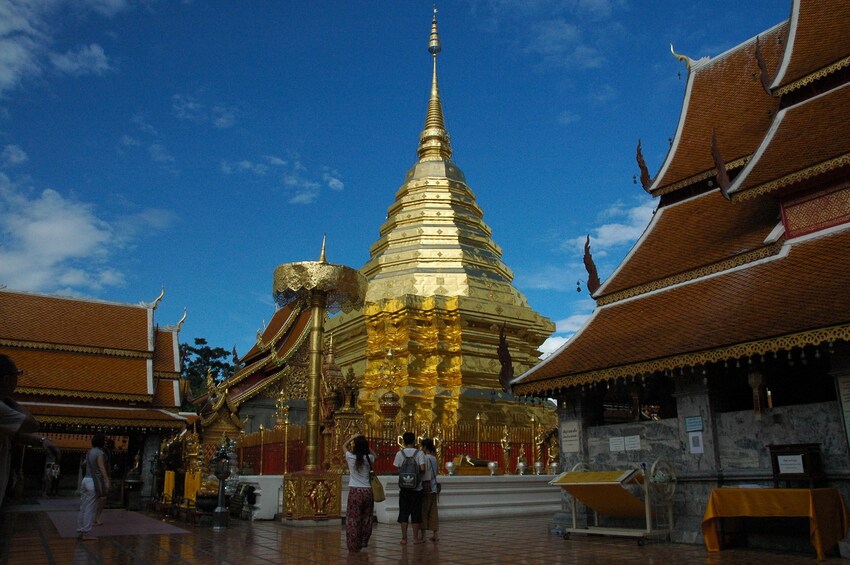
<point>300,186</point>
<point>12,155</point>
<point>129,141</point>
<point>304,191</point>
<point>143,125</point>
<point>557,278</point>
<point>276,161</point>
<point>553,37</point>
<point>332,179</point>
<point>190,108</point>
<point>608,235</point>
<point>567,117</point>
<point>572,324</point>
<point>551,345</point>
<point>26,37</point>
<point>86,60</point>
<point>223,117</point>
<point>53,243</point>
<point>160,154</point>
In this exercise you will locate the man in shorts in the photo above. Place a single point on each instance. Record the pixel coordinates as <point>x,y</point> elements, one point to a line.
<point>410,499</point>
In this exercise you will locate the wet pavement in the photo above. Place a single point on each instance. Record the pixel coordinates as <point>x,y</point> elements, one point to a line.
<point>28,536</point>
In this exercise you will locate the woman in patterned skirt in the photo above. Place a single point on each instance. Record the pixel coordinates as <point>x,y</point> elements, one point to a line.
<point>359,510</point>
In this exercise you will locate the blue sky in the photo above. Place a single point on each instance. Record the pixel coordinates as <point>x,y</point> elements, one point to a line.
<point>197,145</point>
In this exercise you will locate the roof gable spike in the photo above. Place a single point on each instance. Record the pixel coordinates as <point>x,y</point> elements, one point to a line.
<point>764,75</point>
<point>720,165</point>
<point>645,179</point>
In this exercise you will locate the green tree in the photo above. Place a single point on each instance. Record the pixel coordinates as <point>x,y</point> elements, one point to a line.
<point>197,359</point>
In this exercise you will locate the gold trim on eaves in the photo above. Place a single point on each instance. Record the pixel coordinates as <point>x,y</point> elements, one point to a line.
<point>23,344</point>
<point>732,352</point>
<point>737,261</point>
<point>699,177</point>
<point>797,176</point>
<point>129,423</point>
<point>808,79</point>
<point>88,394</point>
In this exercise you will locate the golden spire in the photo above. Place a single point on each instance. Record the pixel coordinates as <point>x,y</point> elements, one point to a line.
<point>322,252</point>
<point>434,143</point>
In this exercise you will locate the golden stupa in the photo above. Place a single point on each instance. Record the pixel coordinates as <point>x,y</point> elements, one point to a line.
<point>438,296</point>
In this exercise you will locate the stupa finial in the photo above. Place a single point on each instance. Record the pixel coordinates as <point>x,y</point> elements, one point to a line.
<point>434,142</point>
<point>322,253</point>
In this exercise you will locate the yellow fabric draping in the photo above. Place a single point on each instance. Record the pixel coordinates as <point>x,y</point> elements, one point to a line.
<point>191,485</point>
<point>168,487</point>
<point>823,507</point>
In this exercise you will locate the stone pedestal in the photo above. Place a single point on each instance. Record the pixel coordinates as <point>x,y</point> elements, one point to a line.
<point>312,495</point>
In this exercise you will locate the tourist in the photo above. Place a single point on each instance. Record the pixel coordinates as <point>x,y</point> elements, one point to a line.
<point>359,509</point>
<point>430,493</point>
<point>108,446</point>
<point>410,495</point>
<point>16,423</point>
<point>55,476</point>
<point>95,484</point>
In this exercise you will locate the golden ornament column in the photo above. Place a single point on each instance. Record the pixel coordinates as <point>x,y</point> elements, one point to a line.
<point>316,494</point>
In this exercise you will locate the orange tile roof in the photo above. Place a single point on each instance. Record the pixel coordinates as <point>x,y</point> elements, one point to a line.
<point>73,322</point>
<point>688,235</point>
<point>753,309</point>
<point>49,413</point>
<point>741,120</point>
<point>82,375</point>
<point>165,395</point>
<point>281,318</point>
<point>252,379</point>
<point>166,358</point>
<point>794,150</point>
<point>820,38</point>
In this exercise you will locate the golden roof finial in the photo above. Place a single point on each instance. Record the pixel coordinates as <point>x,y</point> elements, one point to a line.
<point>434,142</point>
<point>157,299</point>
<point>183,319</point>
<point>322,253</point>
<point>682,58</point>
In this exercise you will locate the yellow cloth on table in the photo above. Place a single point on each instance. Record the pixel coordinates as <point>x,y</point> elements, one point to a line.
<point>823,507</point>
<point>168,487</point>
<point>603,491</point>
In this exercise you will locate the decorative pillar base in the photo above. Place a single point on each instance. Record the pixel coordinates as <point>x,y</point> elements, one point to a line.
<point>313,496</point>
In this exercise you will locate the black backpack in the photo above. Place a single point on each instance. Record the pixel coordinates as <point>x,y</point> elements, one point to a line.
<point>408,472</point>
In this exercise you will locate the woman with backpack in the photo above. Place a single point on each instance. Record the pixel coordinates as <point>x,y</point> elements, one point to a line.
<point>410,463</point>
<point>359,509</point>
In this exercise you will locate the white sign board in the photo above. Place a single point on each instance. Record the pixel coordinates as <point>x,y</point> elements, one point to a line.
<point>632,443</point>
<point>570,437</point>
<point>617,443</point>
<point>695,442</point>
<point>790,464</point>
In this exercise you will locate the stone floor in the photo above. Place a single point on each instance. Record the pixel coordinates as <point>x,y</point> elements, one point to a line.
<point>28,537</point>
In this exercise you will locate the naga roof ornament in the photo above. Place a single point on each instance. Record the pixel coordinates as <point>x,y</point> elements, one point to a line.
<point>688,61</point>
<point>720,165</point>
<point>645,179</point>
<point>434,141</point>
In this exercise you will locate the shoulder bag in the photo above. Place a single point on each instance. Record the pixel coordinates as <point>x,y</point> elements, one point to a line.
<point>377,487</point>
